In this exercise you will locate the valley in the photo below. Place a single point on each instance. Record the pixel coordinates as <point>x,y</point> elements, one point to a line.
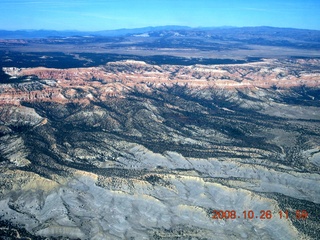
<point>144,146</point>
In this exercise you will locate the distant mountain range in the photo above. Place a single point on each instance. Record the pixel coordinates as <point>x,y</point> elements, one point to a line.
<point>182,30</point>
<point>70,33</point>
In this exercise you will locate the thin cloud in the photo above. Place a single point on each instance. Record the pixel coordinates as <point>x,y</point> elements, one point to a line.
<point>102,16</point>
<point>259,10</point>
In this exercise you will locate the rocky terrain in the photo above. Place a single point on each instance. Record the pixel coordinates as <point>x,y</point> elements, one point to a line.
<point>131,150</point>
<point>117,79</point>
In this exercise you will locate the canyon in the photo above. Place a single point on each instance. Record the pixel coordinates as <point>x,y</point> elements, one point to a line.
<point>118,78</point>
<point>149,147</point>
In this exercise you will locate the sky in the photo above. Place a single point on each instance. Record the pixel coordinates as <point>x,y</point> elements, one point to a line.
<point>94,15</point>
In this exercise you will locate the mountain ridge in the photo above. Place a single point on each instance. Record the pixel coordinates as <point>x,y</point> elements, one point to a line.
<point>149,135</point>
<point>43,33</point>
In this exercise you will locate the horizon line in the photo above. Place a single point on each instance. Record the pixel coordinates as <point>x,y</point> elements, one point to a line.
<point>158,26</point>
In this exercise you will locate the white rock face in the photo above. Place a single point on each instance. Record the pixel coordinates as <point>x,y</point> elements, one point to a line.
<point>290,183</point>
<point>81,209</point>
<point>91,207</point>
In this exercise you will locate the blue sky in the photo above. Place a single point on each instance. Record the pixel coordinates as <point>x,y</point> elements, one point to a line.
<point>114,14</point>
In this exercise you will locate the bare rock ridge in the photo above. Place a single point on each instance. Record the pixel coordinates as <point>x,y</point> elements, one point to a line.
<point>130,150</point>
<point>117,78</point>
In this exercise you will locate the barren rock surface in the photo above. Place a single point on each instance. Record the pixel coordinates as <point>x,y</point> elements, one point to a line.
<point>131,150</point>
<point>118,78</point>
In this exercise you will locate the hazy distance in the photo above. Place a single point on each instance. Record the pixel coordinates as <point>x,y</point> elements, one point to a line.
<point>88,15</point>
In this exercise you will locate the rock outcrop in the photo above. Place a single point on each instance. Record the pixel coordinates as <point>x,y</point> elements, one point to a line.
<point>118,78</point>
<point>131,150</point>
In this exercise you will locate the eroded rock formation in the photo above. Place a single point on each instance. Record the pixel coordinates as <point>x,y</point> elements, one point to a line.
<point>131,150</point>
<point>118,78</point>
